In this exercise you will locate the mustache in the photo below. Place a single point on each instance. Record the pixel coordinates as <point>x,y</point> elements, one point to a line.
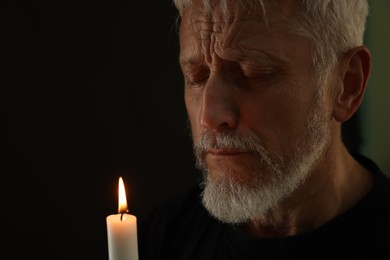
<point>227,140</point>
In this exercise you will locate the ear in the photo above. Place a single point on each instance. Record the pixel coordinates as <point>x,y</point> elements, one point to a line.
<point>355,71</point>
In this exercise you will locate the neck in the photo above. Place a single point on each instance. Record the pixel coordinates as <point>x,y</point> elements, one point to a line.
<point>330,189</point>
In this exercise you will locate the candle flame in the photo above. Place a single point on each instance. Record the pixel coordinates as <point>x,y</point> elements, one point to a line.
<point>122,202</point>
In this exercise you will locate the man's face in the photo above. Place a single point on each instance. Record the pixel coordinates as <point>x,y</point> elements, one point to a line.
<point>249,92</point>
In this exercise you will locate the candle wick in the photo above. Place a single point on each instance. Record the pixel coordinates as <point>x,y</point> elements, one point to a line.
<point>124,213</point>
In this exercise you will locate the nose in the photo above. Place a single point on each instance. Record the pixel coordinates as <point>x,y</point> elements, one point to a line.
<point>219,104</point>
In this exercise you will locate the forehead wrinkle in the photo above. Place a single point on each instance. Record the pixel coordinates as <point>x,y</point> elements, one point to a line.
<point>214,29</point>
<point>220,37</point>
<point>210,35</point>
<point>223,35</point>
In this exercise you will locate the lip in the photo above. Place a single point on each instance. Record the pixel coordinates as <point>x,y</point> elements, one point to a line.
<point>219,152</point>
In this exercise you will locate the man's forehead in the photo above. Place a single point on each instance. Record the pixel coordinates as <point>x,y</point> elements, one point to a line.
<point>235,10</point>
<point>217,12</point>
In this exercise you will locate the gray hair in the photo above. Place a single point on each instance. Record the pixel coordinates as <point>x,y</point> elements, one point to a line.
<point>334,26</point>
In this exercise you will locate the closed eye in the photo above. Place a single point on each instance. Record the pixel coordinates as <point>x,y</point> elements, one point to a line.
<point>254,71</point>
<point>196,76</point>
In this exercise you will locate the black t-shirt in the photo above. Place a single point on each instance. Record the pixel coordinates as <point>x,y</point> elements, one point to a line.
<point>183,229</point>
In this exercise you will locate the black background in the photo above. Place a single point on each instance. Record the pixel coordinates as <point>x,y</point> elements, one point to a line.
<point>90,91</point>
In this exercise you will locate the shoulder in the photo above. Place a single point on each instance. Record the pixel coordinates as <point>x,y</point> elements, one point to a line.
<point>381,180</point>
<point>374,209</point>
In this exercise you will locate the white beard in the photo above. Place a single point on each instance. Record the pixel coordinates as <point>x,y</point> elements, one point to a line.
<point>232,200</point>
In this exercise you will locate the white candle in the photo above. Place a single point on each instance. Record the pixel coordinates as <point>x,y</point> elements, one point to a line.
<point>122,230</point>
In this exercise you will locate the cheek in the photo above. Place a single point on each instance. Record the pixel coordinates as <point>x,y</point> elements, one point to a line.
<point>193,110</point>
<point>275,113</point>
<point>277,121</point>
